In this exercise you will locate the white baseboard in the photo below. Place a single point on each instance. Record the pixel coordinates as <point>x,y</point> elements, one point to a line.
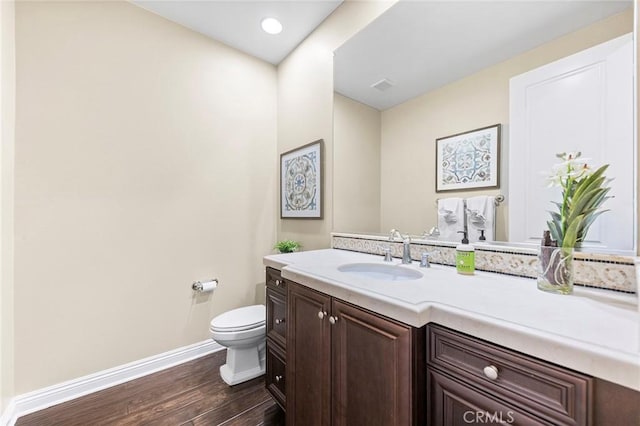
<point>56,394</point>
<point>8,416</point>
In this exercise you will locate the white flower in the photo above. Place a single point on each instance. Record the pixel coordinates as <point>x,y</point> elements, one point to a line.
<point>554,180</point>
<point>573,167</point>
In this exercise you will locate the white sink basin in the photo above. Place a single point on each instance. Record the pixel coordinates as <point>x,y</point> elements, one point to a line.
<point>380,271</point>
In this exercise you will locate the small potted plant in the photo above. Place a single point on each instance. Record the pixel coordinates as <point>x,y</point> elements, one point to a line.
<point>584,190</point>
<point>287,246</point>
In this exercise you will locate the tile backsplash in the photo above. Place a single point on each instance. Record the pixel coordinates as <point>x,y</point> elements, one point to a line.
<point>611,272</point>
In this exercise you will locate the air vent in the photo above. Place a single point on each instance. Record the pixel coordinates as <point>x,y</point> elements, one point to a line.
<point>382,85</point>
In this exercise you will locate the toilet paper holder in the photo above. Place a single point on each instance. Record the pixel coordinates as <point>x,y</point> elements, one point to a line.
<point>202,286</point>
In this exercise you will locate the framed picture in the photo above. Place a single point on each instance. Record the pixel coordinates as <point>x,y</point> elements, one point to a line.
<point>301,182</point>
<point>469,160</point>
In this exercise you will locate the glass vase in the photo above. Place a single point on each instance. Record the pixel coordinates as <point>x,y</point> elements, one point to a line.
<point>555,270</point>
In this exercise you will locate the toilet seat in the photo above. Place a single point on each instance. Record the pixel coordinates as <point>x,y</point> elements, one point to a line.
<point>245,318</point>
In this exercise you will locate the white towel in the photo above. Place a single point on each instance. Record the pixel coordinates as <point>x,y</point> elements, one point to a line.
<point>481,214</point>
<point>450,218</point>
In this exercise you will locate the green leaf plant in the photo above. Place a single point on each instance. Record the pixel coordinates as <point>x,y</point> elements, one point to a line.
<point>584,190</point>
<point>287,246</point>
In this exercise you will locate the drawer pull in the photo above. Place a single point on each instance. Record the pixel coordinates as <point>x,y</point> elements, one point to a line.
<point>333,320</point>
<point>491,372</point>
<point>278,282</point>
<point>321,314</point>
<point>279,320</point>
<point>278,378</point>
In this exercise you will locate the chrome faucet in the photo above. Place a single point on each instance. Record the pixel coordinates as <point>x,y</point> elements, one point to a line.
<point>406,245</point>
<point>432,233</point>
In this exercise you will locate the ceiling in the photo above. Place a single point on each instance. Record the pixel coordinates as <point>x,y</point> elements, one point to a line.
<point>237,23</point>
<point>416,45</point>
<point>422,45</point>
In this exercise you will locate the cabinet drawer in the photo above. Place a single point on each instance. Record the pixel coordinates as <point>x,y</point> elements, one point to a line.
<point>276,318</point>
<point>275,281</point>
<point>275,377</point>
<point>558,395</point>
<point>453,403</point>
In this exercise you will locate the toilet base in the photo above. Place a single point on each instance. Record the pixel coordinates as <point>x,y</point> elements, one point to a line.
<point>232,378</point>
<point>243,364</point>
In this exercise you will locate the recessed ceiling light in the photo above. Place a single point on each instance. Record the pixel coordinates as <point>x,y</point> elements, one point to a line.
<point>271,26</point>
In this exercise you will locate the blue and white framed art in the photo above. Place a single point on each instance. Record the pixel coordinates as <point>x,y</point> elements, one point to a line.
<point>469,160</point>
<point>301,182</point>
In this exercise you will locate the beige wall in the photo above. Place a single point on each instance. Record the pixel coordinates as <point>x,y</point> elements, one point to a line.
<point>305,106</point>
<point>7,128</point>
<point>356,166</point>
<point>409,130</point>
<point>144,161</point>
<point>140,167</point>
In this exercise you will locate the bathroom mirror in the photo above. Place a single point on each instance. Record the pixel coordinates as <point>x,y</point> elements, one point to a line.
<point>413,76</point>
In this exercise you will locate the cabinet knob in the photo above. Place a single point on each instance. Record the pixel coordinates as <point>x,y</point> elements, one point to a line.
<point>279,321</point>
<point>322,314</point>
<point>333,320</point>
<point>278,378</point>
<point>491,372</point>
<point>278,282</point>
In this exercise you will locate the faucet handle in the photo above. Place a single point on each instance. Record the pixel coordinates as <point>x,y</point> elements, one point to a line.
<point>424,260</point>
<point>434,232</point>
<point>387,254</point>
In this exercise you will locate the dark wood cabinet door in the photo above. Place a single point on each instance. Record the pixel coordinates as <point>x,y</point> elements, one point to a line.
<point>275,377</point>
<point>275,281</point>
<point>455,403</point>
<point>308,369</point>
<point>276,305</point>
<point>553,393</point>
<point>372,361</point>
<point>277,316</point>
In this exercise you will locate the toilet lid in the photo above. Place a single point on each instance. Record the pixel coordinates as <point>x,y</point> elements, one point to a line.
<point>240,319</point>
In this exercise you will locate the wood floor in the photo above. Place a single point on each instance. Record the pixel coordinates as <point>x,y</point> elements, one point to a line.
<point>190,394</point>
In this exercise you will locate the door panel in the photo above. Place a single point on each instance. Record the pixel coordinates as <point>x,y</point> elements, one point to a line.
<point>583,102</point>
<point>308,369</point>
<point>277,318</point>
<point>372,363</point>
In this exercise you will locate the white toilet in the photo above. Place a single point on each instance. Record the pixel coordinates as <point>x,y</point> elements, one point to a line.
<point>242,332</point>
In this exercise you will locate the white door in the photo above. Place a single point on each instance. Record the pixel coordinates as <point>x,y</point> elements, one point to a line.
<point>583,102</point>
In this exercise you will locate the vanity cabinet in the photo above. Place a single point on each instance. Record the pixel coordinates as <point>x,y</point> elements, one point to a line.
<point>276,324</point>
<point>349,366</point>
<point>471,381</point>
<point>332,363</point>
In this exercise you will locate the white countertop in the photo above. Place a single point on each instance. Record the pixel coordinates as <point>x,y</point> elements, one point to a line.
<point>592,331</point>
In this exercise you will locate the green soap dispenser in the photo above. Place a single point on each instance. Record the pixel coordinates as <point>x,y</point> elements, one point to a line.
<point>465,256</point>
